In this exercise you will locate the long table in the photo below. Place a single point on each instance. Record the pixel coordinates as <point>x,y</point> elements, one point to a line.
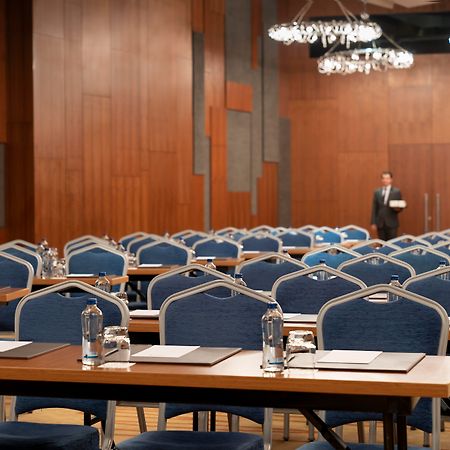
<point>8,294</point>
<point>236,381</point>
<point>44,282</point>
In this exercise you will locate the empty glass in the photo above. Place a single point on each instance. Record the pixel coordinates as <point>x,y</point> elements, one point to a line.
<point>116,343</point>
<point>300,341</point>
<point>59,269</point>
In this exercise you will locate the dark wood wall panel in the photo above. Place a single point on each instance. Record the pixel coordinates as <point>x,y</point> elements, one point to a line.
<point>347,129</point>
<point>3,86</point>
<point>113,117</point>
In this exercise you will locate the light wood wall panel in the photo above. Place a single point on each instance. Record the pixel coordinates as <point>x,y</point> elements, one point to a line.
<point>347,129</point>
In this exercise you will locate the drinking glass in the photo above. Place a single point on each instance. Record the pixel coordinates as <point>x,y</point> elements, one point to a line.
<point>300,341</point>
<point>116,342</point>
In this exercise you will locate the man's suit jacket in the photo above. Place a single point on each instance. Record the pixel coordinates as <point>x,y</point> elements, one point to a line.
<point>382,214</point>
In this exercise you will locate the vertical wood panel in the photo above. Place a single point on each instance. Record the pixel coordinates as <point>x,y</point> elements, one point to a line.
<point>3,86</point>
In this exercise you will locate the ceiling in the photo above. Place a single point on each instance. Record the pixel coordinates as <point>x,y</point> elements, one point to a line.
<point>405,3</point>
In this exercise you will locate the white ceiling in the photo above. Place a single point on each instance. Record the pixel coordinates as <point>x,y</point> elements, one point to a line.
<point>404,3</point>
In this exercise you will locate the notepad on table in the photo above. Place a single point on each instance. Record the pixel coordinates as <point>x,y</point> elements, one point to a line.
<point>79,275</point>
<point>144,314</point>
<point>11,345</point>
<point>350,357</point>
<point>204,258</point>
<point>149,265</point>
<point>166,351</point>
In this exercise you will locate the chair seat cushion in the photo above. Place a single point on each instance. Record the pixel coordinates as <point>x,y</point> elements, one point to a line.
<point>192,440</point>
<point>326,446</point>
<point>40,436</point>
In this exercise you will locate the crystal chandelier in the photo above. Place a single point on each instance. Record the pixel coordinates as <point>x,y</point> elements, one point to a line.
<point>365,60</point>
<point>346,31</point>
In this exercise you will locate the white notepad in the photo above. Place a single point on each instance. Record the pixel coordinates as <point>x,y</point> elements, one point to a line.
<point>149,265</point>
<point>204,258</point>
<point>350,357</point>
<point>144,313</point>
<point>11,345</point>
<point>166,351</point>
<point>79,275</point>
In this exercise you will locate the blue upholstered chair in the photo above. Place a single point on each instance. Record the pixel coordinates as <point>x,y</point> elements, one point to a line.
<point>140,241</point>
<point>165,252</point>
<point>26,254</point>
<point>326,235</point>
<point>307,228</point>
<point>408,240</point>
<point>334,255</point>
<point>125,240</point>
<point>375,246</point>
<point>422,259</point>
<point>180,279</point>
<point>355,233</point>
<point>377,269</point>
<point>50,306</point>
<point>238,235</point>
<point>194,317</point>
<point>219,247</point>
<point>303,292</point>
<point>317,445</point>
<point>262,229</point>
<point>435,238</point>
<point>180,234</point>
<point>98,258</point>
<point>81,241</point>
<point>14,272</point>
<point>192,238</point>
<point>227,231</point>
<point>434,284</point>
<point>294,238</point>
<point>443,247</point>
<point>351,322</point>
<point>261,273</point>
<point>261,242</point>
<point>22,243</point>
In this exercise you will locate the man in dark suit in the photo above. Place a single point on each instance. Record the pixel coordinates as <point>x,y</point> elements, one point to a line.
<point>384,218</point>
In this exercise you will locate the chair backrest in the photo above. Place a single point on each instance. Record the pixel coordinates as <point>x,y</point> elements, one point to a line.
<point>422,259</point>
<point>192,238</point>
<point>220,247</point>
<point>166,252</point>
<point>163,286</point>
<point>377,269</point>
<point>443,247</point>
<point>353,232</point>
<point>262,229</point>
<point>308,228</point>
<point>98,258</point>
<point>22,243</point>
<point>76,242</point>
<point>137,243</point>
<point>260,273</point>
<point>24,253</point>
<point>226,231</point>
<point>15,272</point>
<point>294,238</point>
<point>261,242</point>
<point>333,255</point>
<point>375,246</point>
<point>327,235</point>
<point>180,234</point>
<point>411,324</point>
<point>125,240</point>
<point>238,235</point>
<point>48,306</point>
<point>434,237</point>
<point>408,240</point>
<point>434,284</point>
<point>302,292</point>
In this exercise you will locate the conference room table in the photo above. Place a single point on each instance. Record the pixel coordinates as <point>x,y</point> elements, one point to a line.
<point>8,294</point>
<point>237,380</point>
<point>39,283</point>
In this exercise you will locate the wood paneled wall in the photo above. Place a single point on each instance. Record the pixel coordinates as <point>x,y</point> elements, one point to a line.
<point>113,118</point>
<point>3,87</point>
<point>347,129</point>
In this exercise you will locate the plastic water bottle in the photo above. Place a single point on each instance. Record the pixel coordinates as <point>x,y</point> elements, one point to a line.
<point>210,264</point>
<point>103,283</point>
<point>443,276</point>
<point>272,332</point>
<point>321,274</point>
<point>92,329</point>
<point>395,283</point>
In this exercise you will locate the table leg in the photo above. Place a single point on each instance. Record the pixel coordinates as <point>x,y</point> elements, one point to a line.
<point>402,440</point>
<point>388,430</point>
<point>331,437</point>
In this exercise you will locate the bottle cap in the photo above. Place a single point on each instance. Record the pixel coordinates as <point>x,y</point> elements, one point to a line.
<point>102,274</point>
<point>272,305</point>
<point>91,301</point>
<point>394,277</point>
<point>322,261</point>
<point>238,275</point>
<point>442,262</point>
<point>208,259</point>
